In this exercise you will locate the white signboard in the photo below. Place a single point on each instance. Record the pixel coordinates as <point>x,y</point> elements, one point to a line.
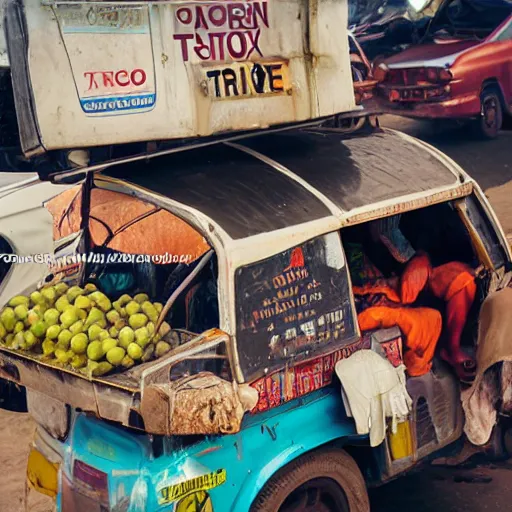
<point>104,73</point>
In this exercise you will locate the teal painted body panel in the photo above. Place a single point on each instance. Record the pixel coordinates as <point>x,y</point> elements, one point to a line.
<point>267,442</point>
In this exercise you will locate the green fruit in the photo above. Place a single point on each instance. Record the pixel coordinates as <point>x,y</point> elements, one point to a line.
<point>19,326</point>
<point>165,328</point>
<point>162,348</point>
<point>48,347</point>
<point>63,356</point>
<point>99,369</point>
<point>113,332</point>
<point>53,332</point>
<point>64,337</point>
<point>103,335</point>
<point>94,316</point>
<point>21,312</point>
<point>40,309</point>
<point>150,311</point>
<point>150,326</point>
<point>158,307</point>
<point>127,362</point>
<point>19,341</point>
<point>51,316</point>
<point>142,337</point>
<point>83,302</point>
<point>62,345</point>
<point>90,287</point>
<point>8,318</point>
<point>79,361</point>
<point>138,320</point>
<point>77,327</point>
<point>115,356</point>
<point>126,335</point>
<point>33,317</point>
<point>140,298</point>
<point>132,308</point>
<point>124,299</point>
<point>135,351</point>
<point>19,300</point>
<point>30,340</point>
<point>61,304</point>
<point>108,343</point>
<point>119,309</point>
<point>95,351</point>
<point>82,314</point>
<point>9,338</point>
<point>148,353</point>
<point>113,316</point>
<point>94,332</point>
<point>120,324</point>
<point>79,343</point>
<point>101,300</point>
<point>49,294</point>
<point>37,298</point>
<point>3,331</point>
<point>69,317</point>
<point>39,329</point>
<point>73,293</point>
<point>61,288</point>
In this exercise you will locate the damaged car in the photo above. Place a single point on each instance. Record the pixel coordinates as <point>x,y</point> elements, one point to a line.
<point>461,71</point>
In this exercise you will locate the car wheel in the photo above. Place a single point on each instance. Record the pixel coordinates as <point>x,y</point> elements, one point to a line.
<point>490,120</point>
<point>322,481</point>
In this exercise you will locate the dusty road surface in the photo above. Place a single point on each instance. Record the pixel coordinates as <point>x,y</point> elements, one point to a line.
<point>482,488</point>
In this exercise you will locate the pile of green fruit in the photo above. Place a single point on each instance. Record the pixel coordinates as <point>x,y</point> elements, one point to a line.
<point>82,329</point>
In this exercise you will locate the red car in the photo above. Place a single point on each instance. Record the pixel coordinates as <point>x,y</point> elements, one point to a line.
<point>465,72</point>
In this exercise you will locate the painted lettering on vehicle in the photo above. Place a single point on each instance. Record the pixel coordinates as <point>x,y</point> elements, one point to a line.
<point>221,31</point>
<point>118,103</point>
<point>247,79</point>
<point>120,78</point>
<point>179,490</point>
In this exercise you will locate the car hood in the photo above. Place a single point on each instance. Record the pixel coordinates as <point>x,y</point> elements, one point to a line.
<point>432,54</point>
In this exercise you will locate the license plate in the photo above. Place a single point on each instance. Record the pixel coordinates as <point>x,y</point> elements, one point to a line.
<point>241,80</point>
<point>42,474</point>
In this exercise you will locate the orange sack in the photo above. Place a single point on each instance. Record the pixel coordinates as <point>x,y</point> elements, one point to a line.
<point>420,326</point>
<point>414,278</point>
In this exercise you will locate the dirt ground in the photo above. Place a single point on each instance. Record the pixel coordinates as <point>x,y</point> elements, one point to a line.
<point>432,490</point>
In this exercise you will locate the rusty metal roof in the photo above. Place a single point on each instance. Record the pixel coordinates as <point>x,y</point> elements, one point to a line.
<point>279,180</point>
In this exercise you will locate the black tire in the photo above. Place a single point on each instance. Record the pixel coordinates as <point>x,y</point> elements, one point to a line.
<point>490,121</point>
<point>326,480</point>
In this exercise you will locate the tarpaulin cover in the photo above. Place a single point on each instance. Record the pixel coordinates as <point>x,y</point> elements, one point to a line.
<point>126,224</point>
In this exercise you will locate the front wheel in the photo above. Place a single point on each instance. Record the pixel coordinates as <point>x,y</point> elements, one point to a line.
<point>321,481</point>
<point>488,125</point>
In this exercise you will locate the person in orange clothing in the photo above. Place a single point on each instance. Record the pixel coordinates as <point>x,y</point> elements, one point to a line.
<point>453,283</point>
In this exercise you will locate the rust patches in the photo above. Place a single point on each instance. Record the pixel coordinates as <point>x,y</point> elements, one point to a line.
<point>404,206</point>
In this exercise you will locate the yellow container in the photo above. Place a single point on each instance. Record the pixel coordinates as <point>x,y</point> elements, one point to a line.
<point>400,443</point>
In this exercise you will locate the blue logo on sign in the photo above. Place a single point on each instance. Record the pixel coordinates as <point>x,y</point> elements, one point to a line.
<point>110,104</point>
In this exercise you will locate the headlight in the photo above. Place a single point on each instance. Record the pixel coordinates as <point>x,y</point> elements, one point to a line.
<point>419,5</point>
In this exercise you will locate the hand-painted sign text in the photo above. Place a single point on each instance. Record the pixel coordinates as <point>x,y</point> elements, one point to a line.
<point>221,31</point>
<point>179,490</point>
<point>246,79</point>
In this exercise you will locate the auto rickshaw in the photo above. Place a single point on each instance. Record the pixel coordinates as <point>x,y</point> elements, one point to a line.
<point>252,409</point>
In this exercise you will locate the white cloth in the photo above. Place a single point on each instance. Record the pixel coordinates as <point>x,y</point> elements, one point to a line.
<point>375,390</point>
